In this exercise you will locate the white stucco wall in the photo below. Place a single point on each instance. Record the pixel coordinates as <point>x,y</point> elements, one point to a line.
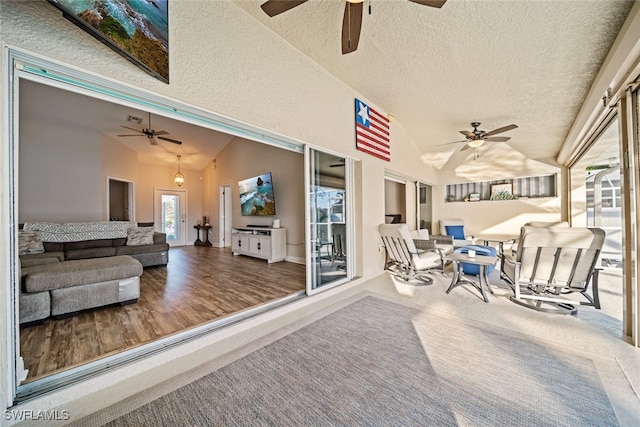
<point>225,62</point>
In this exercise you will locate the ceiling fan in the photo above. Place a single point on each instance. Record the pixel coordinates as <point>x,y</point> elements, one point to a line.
<point>152,134</point>
<point>477,137</point>
<point>351,21</point>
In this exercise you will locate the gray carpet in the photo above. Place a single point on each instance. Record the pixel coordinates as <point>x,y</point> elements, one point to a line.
<point>378,363</point>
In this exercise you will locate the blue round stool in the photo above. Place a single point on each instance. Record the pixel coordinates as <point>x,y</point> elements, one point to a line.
<point>474,269</point>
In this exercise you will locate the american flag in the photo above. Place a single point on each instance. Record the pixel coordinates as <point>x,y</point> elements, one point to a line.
<point>372,132</point>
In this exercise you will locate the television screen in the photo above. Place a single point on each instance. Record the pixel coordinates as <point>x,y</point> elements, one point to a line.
<point>256,195</point>
<point>137,30</point>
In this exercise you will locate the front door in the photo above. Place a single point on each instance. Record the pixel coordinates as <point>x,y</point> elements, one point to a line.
<point>170,215</point>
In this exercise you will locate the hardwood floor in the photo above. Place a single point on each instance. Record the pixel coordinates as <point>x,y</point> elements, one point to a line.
<point>198,285</point>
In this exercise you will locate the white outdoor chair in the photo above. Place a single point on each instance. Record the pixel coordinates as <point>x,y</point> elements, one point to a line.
<point>424,241</point>
<point>403,259</point>
<point>552,262</point>
<point>455,229</point>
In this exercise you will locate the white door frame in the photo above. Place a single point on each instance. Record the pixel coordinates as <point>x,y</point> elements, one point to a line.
<point>182,194</point>
<point>225,222</point>
<point>130,199</point>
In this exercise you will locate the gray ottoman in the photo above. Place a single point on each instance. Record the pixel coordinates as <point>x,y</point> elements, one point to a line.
<point>87,283</point>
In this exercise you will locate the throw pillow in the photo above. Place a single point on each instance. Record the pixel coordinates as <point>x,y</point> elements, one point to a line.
<point>455,231</point>
<point>138,236</point>
<point>30,242</point>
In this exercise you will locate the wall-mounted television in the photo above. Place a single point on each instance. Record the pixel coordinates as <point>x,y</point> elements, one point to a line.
<point>256,195</point>
<point>137,30</point>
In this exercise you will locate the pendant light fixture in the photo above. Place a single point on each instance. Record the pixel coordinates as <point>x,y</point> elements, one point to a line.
<point>178,178</point>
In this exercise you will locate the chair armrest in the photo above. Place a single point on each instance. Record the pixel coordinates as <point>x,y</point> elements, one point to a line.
<point>443,240</point>
<point>424,244</point>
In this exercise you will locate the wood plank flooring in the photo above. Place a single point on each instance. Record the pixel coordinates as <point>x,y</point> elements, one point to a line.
<point>200,284</point>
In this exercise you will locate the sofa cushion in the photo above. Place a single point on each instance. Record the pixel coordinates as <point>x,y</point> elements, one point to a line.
<point>33,261</point>
<point>88,244</point>
<point>80,272</point>
<point>89,253</point>
<point>129,250</point>
<point>29,242</point>
<point>35,257</point>
<point>119,242</point>
<point>53,247</point>
<point>137,236</point>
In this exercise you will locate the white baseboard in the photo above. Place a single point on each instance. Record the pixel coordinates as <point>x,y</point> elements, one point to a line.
<point>296,260</point>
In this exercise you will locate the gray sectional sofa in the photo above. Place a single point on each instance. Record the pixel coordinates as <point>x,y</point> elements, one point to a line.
<point>66,268</point>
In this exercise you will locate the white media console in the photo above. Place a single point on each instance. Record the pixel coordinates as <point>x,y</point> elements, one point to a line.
<point>259,242</point>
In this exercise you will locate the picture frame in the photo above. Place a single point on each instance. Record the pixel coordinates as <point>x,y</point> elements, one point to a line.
<point>474,197</point>
<point>502,191</point>
<point>139,33</point>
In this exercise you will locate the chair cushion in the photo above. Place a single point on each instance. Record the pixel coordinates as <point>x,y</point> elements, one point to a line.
<point>455,231</point>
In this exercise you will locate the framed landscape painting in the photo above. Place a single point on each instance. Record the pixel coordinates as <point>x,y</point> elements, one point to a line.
<point>136,29</point>
<point>501,191</point>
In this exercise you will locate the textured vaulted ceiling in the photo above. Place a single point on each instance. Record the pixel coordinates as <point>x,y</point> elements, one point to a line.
<point>527,62</point>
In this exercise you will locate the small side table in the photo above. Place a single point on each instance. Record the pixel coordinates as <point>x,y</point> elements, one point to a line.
<point>458,277</point>
<point>206,241</point>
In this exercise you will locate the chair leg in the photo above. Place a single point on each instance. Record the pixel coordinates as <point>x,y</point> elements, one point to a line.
<point>594,287</point>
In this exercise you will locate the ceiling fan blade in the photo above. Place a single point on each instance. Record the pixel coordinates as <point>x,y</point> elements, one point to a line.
<point>131,135</point>
<point>160,132</point>
<point>500,130</point>
<point>497,138</point>
<point>454,142</point>
<point>432,3</point>
<point>135,130</point>
<point>175,141</point>
<point>351,26</point>
<point>467,133</point>
<point>466,147</point>
<point>276,7</point>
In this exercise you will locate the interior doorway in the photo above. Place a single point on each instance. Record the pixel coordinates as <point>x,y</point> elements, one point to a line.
<point>425,207</point>
<point>120,202</point>
<point>395,201</point>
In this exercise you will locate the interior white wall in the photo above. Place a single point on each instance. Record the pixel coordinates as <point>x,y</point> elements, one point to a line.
<point>73,157</point>
<point>118,162</point>
<point>242,159</point>
<point>221,60</point>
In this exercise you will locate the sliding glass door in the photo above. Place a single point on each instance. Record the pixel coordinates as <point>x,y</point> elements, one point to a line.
<point>328,224</point>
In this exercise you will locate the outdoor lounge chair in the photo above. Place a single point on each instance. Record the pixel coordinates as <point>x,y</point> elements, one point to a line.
<point>403,259</point>
<point>552,262</point>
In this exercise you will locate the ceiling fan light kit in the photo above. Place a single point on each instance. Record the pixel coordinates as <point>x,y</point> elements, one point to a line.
<point>351,21</point>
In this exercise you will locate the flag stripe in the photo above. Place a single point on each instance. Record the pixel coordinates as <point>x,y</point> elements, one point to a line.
<point>372,132</point>
<point>372,149</point>
<point>373,153</point>
<point>363,131</point>
<point>373,143</point>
